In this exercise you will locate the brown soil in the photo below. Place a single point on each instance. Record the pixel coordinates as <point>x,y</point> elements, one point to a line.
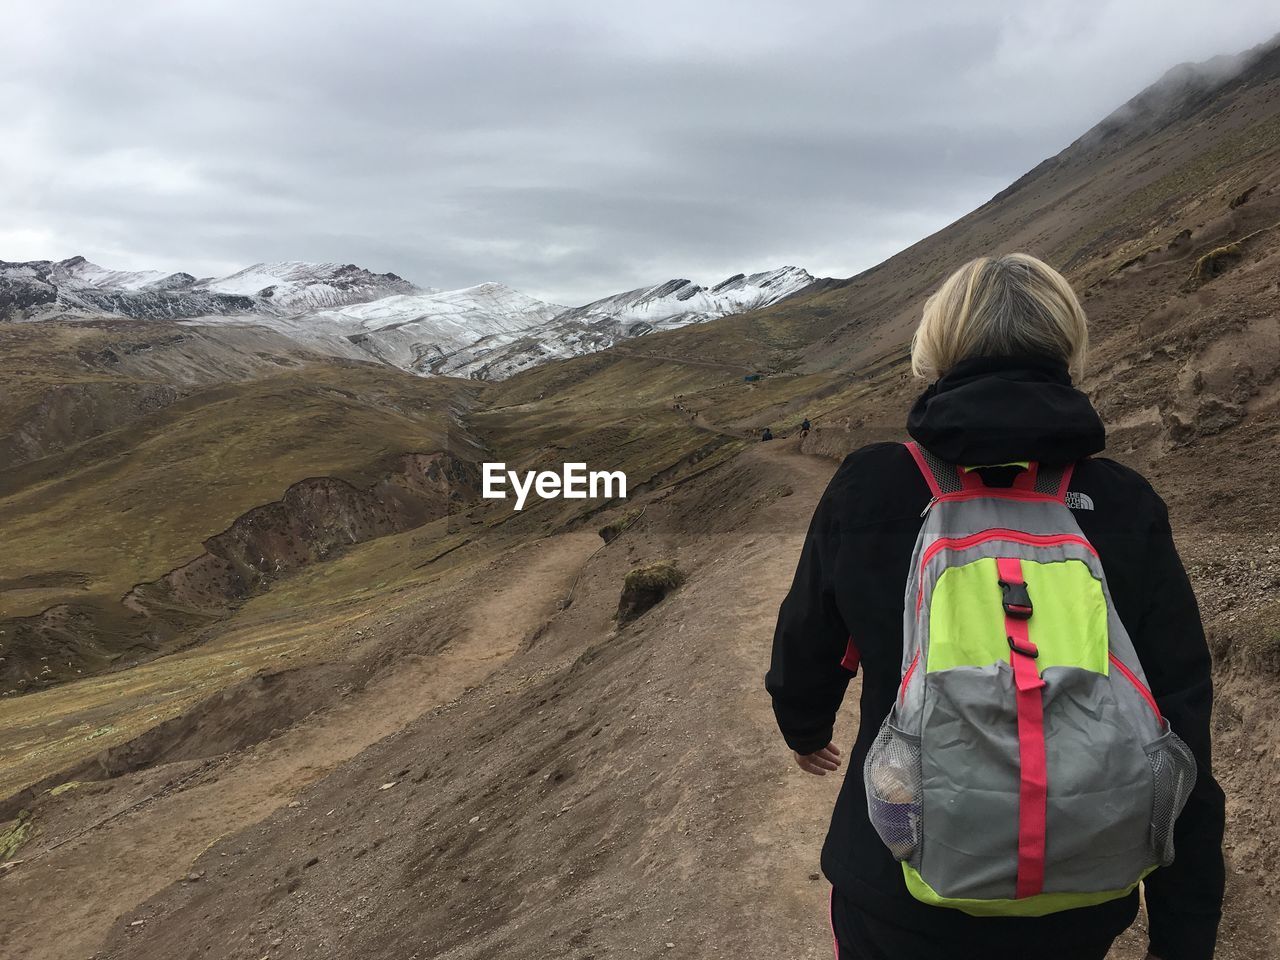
<point>73,881</point>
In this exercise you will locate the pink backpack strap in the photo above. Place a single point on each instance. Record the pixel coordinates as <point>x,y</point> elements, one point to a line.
<point>1064,481</point>
<point>1052,481</point>
<point>944,478</point>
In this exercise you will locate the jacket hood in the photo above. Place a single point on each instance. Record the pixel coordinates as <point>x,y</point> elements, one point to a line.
<point>989,410</point>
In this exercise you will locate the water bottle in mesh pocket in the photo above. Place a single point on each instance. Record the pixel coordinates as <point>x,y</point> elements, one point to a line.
<point>1173,772</point>
<point>892,777</point>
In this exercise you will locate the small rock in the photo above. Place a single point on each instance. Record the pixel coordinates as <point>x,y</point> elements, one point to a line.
<point>194,876</point>
<point>137,923</point>
<point>475,819</point>
<point>388,786</point>
<point>294,804</point>
<point>671,946</point>
<point>815,876</point>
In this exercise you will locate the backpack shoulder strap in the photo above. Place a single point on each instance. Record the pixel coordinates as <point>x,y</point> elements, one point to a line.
<point>943,477</point>
<point>1054,480</point>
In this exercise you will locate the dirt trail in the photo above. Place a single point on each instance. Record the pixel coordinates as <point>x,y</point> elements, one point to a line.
<point>780,910</point>
<point>61,902</point>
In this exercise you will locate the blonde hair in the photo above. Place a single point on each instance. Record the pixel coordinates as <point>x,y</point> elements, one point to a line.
<point>1012,305</point>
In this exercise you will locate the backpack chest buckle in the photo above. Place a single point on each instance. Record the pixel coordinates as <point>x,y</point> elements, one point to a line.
<point>1015,600</point>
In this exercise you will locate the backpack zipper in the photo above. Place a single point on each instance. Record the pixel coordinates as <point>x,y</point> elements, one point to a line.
<point>1001,533</point>
<point>998,493</point>
<point>995,533</point>
<point>906,677</point>
<point>1137,684</point>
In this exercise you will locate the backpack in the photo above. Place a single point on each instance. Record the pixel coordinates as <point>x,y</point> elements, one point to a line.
<point>1025,767</point>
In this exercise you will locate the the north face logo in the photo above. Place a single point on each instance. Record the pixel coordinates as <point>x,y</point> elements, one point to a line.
<point>1079,501</point>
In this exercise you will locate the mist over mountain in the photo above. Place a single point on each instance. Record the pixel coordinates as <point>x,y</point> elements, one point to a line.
<point>1183,89</point>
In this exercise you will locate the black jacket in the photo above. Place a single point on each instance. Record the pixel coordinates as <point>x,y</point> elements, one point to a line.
<point>847,599</point>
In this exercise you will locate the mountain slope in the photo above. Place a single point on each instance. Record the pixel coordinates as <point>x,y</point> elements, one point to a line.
<point>293,287</point>
<point>635,313</point>
<point>124,470</point>
<point>1174,158</point>
<point>427,333</point>
<point>680,302</point>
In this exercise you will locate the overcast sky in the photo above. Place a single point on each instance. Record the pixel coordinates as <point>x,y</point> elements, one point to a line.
<point>571,150</point>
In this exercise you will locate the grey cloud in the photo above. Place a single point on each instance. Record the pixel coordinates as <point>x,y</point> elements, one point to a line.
<point>569,149</point>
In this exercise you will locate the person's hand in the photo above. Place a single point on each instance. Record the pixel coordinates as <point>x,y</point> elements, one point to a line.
<point>820,761</point>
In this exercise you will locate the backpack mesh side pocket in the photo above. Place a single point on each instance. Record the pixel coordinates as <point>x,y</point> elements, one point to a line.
<point>892,777</point>
<point>1173,772</point>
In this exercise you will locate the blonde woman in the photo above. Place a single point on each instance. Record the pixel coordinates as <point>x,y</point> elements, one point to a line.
<point>1000,342</point>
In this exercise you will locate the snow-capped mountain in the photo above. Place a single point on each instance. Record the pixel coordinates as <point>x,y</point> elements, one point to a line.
<point>80,272</point>
<point>489,331</point>
<point>678,302</point>
<point>635,313</point>
<point>293,287</point>
<point>431,332</point>
<point>38,288</point>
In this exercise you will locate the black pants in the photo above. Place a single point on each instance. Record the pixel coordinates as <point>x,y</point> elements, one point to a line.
<point>861,936</point>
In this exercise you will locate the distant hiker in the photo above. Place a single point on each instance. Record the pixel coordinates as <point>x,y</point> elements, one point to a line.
<point>767,435</point>
<point>1036,720</point>
<point>804,428</point>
